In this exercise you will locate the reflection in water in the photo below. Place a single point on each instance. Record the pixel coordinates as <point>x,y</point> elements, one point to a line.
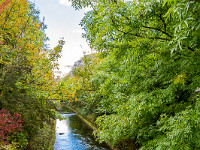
<point>73,134</point>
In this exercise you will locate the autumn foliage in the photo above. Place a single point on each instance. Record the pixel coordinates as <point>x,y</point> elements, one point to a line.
<point>9,124</point>
<point>26,71</point>
<point>4,5</point>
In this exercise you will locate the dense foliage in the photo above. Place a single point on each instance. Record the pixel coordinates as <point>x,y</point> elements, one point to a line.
<point>144,87</point>
<point>26,68</point>
<point>9,124</point>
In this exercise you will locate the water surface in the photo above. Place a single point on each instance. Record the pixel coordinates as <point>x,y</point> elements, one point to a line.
<point>73,134</point>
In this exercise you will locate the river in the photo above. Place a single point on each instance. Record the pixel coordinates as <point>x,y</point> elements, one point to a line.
<point>73,134</point>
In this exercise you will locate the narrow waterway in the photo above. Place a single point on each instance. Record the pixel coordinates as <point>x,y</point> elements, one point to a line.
<point>73,134</point>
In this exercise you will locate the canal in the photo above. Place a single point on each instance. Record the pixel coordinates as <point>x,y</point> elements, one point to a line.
<point>74,134</point>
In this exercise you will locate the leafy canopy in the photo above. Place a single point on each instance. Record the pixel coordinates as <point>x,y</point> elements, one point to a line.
<point>144,89</point>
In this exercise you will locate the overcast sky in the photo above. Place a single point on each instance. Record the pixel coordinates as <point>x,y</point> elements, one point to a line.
<point>63,21</point>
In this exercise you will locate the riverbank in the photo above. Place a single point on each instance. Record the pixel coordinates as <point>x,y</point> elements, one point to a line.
<point>90,125</point>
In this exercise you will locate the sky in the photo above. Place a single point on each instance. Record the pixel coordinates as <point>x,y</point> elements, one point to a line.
<point>63,21</point>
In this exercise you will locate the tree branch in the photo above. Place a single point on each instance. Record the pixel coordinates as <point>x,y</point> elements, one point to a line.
<point>164,32</point>
<point>165,25</point>
<point>158,30</point>
<point>138,35</point>
<point>190,48</point>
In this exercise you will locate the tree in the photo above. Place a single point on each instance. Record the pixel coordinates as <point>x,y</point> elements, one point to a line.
<point>26,69</point>
<point>147,80</point>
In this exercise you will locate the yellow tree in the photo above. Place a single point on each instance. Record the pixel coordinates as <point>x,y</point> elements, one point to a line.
<point>26,64</point>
